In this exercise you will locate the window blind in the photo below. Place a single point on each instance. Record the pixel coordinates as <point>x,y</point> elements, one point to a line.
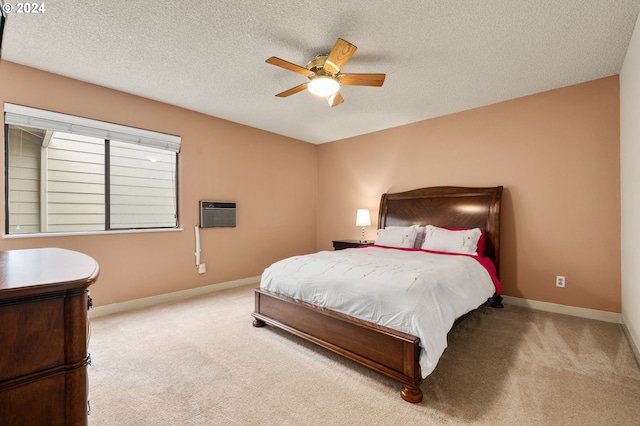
<point>48,120</point>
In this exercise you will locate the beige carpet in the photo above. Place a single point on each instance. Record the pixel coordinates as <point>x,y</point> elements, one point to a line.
<point>201,362</point>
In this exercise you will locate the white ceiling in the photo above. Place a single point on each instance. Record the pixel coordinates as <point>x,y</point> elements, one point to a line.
<point>440,56</point>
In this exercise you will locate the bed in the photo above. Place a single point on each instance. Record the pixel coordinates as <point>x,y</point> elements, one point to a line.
<point>387,350</point>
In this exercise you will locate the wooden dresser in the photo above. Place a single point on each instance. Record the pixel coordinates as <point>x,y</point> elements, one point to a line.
<point>44,336</point>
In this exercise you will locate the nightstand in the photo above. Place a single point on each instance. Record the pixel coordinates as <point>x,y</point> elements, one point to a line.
<point>344,244</point>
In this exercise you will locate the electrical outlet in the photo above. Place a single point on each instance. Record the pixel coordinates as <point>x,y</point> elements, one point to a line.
<point>202,268</point>
<point>560,281</point>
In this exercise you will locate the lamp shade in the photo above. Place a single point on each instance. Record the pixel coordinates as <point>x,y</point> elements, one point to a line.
<point>363,218</point>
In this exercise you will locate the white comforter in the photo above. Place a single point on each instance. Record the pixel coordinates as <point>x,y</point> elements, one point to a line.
<point>416,292</point>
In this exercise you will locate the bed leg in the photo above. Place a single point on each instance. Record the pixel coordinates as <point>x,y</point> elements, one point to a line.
<point>259,323</point>
<point>497,302</point>
<point>411,394</point>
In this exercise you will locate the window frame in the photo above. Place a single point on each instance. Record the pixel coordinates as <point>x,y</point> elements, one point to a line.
<point>16,115</point>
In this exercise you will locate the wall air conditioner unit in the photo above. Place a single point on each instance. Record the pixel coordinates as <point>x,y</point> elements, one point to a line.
<point>217,214</point>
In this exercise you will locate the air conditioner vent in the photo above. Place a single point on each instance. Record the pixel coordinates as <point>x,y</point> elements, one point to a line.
<point>217,214</point>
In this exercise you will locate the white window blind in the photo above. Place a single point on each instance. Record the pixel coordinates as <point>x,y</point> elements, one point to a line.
<point>48,120</point>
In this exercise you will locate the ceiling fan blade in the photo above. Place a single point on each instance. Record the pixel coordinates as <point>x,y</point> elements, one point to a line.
<point>287,65</point>
<point>292,91</point>
<point>335,100</point>
<point>361,79</point>
<point>342,51</point>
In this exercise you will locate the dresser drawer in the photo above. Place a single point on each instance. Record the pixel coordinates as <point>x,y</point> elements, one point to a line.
<point>32,336</point>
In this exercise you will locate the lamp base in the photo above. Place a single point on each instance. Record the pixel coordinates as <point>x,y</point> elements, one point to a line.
<point>362,240</point>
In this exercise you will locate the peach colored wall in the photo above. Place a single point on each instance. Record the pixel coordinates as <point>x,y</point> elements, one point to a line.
<point>557,155</point>
<point>272,178</point>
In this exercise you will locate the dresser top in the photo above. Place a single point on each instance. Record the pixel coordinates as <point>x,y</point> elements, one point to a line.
<point>24,272</point>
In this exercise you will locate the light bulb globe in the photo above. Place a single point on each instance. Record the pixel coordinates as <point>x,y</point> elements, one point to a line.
<point>323,86</point>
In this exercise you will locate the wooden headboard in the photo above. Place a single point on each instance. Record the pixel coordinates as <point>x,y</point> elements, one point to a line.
<point>447,207</point>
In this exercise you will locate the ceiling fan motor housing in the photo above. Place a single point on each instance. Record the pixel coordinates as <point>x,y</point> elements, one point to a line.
<point>316,66</point>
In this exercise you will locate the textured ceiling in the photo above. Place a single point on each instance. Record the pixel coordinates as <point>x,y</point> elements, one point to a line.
<point>440,57</point>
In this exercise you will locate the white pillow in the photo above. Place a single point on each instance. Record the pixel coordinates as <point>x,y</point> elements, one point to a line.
<point>397,236</point>
<point>419,234</point>
<point>445,240</point>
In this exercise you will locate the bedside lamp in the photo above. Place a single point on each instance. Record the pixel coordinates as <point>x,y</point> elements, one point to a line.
<point>363,218</point>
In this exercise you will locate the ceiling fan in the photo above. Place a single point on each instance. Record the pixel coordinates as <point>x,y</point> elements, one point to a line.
<point>324,73</point>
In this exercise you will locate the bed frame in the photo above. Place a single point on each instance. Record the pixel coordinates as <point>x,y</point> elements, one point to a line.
<point>382,349</point>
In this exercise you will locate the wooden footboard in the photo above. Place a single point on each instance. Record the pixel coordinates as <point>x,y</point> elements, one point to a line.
<point>382,349</point>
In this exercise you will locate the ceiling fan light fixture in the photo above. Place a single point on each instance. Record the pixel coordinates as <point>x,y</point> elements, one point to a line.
<point>325,75</point>
<point>323,86</point>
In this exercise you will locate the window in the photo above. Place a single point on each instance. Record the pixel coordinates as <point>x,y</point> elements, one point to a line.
<point>70,174</point>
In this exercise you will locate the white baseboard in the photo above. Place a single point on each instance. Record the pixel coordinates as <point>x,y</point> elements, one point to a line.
<point>634,345</point>
<point>564,309</point>
<point>145,302</point>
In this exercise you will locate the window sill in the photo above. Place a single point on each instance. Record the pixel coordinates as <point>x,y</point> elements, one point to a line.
<point>81,233</point>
